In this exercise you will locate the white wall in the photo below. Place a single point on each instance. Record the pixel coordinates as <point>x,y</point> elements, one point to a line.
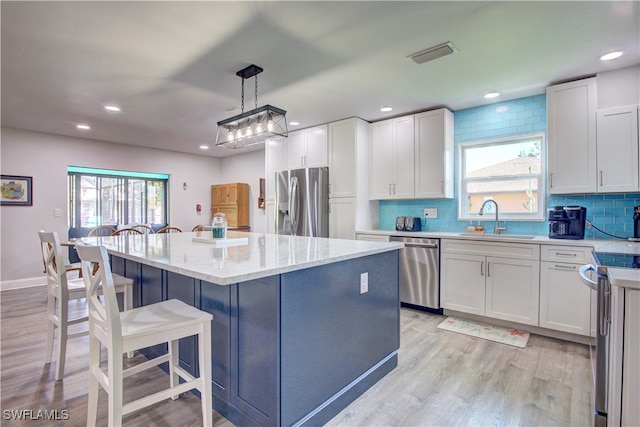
<point>248,168</point>
<point>45,157</point>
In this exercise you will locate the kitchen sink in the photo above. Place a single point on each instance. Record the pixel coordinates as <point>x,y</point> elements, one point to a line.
<point>498,236</point>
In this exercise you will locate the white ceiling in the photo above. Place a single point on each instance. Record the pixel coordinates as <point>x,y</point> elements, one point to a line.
<point>171,66</point>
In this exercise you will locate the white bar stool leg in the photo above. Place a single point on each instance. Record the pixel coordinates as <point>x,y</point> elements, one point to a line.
<point>94,385</point>
<point>51,309</point>
<point>63,312</point>
<point>204,359</point>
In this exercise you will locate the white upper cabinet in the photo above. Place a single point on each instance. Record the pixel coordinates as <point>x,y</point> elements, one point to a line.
<point>571,128</point>
<point>307,148</point>
<point>617,149</point>
<point>391,166</point>
<point>434,154</point>
<point>590,150</point>
<point>274,162</point>
<point>348,158</point>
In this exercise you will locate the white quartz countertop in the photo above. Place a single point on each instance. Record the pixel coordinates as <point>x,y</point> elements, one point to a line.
<point>486,236</point>
<point>262,256</point>
<point>624,277</point>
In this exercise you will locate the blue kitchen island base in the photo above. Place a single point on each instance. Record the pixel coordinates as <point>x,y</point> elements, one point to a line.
<point>290,349</point>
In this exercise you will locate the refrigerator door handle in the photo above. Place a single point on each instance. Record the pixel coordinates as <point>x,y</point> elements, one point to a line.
<point>294,201</point>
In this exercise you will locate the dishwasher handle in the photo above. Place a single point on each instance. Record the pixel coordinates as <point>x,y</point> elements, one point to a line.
<point>421,245</point>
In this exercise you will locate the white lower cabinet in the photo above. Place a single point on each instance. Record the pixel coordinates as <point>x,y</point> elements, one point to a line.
<point>512,290</point>
<point>565,301</point>
<point>503,287</point>
<point>462,283</point>
<point>624,358</point>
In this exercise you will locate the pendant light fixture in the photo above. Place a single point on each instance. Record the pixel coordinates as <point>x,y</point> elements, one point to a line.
<point>254,126</point>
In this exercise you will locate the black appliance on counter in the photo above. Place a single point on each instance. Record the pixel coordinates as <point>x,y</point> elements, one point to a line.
<point>567,222</point>
<point>408,223</point>
<point>636,222</point>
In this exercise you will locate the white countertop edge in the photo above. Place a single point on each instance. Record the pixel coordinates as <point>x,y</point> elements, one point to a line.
<point>222,279</point>
<point>624,277</point>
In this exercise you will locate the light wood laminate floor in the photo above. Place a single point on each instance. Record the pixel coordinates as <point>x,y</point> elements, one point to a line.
<point>442,378</point>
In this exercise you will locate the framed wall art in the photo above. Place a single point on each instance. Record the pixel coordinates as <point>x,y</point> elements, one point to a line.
<point>16,190</point>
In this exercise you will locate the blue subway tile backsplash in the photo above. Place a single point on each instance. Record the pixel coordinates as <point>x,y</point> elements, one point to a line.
<point>611,213</point>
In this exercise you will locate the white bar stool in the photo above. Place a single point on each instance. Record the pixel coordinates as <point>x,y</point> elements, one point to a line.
<point>120,332</point>
<point>61,290</point>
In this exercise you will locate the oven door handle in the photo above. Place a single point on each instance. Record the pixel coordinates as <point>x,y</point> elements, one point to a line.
<point>584,270</point>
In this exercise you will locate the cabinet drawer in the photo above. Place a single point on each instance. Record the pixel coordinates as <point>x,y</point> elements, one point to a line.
<point>505,250</point>
<point>571,254</point>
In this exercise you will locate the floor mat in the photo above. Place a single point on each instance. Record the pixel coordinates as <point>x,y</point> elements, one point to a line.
<point>485,331</point>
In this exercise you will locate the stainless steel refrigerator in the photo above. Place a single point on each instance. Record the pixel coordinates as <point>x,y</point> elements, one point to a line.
<point>302,202</point>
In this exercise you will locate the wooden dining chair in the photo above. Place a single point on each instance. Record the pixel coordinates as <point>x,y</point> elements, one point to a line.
<point>102,230</point>
<point>169,230</point>
<point>61,290</point>
<point>143,228</point>
<point>127,232</point>
<point>198,227</point>
<point>162,322</point>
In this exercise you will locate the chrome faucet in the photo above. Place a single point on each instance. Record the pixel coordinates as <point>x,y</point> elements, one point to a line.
<point>497,229</point>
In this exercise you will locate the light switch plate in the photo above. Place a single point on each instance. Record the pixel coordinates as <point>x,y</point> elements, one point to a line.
<point>430,213</point>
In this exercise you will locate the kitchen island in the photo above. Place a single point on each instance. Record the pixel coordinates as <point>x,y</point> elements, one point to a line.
<point>302,326</point>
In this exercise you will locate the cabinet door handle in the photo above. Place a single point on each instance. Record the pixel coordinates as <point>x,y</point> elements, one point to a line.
<point>600,178</point>
<point>301,160</point>
<point>394,188</point>
<point>488,269</point>
<point>565,254</point>
<point>482,268</point>
<point>567,267</point>
<point>442,187</point>
<point>389,189</point>
<point>305,161</point>
<point>551,180</point>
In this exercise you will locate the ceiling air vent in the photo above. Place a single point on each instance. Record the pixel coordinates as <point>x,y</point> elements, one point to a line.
<point>434,52</point>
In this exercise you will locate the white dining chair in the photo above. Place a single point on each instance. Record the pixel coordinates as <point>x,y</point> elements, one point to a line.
<point>61,290</point>
<point>120,332</point>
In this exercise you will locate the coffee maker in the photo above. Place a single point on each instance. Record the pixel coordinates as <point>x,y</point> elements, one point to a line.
<point>567,222</point>
<point>636,222</point>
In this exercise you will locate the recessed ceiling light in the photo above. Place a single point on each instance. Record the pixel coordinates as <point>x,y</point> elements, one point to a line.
<point>385,109</point>
<point>204,147</point>
<point>113,108</point>
<point>611,55</point>
<point>83,126</point>
<point>502,108</point>
<point>294,123</point>
<point>491,95</point>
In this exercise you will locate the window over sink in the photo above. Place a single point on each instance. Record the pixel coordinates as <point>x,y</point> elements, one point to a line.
<point>507,170</point>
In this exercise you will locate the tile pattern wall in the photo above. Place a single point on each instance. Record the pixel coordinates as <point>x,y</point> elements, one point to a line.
<point>611,213</point>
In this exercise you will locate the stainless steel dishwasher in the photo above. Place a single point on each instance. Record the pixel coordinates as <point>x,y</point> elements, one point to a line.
<point>420,272</point>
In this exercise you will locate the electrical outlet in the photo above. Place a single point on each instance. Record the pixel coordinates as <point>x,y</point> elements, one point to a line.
<point>431,213</point>
<point>57,212</point>
<point>364,283</point>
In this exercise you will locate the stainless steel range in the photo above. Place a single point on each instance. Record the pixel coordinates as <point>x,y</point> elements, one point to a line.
<point>601,262</point>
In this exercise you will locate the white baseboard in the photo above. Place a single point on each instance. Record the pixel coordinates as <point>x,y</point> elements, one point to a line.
<point>23,283</point>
